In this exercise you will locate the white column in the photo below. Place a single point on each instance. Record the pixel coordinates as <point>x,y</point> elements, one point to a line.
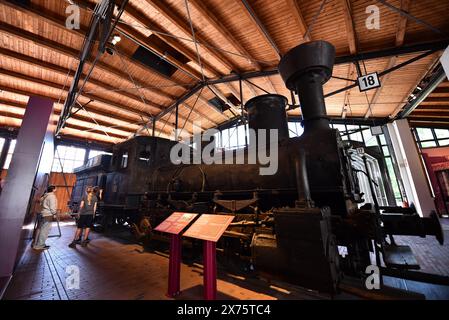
<point>411,167</point>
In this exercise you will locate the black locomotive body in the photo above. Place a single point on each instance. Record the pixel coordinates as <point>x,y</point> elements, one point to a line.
<point>289,223</point>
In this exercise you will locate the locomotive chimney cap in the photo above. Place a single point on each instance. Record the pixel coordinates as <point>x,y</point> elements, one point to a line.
<point>276,99</point>
<point>316,57</point>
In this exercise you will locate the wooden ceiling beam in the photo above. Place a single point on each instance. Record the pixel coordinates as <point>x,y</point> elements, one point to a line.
<point>161,34</point>
<point>250,13</point>
<point>71,53</point>
<point>59,87</point>
<point>78,116</point>
<point>402,25</point>
<point>444,113</point>
<point>349,24</point>
<point>87,96</point>
<point>143,41</point>
<point>232,40</point>
<point>63,71</point>
<point>92,109</point>
<point>80,128</point>
<point>421,110</point>
<point>222,30</point>
<point>60,22</point>
<point>201,115</point>
<point>400,36</point>
<point>145,21</point>
<point>184,26</point>
<point>435,102</point>
<point>299,18</point>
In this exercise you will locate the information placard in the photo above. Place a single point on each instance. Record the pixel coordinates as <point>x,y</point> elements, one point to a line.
<point>209,227</point>
<point>176,222</point>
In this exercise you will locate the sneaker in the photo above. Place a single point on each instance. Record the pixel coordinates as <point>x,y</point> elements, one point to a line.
<point>72,244</point>
<point>46,247</point>
<point>84,243</point>
<point>78,241</point>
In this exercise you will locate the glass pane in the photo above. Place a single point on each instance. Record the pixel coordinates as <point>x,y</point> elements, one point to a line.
<point>369,139</point>
<point>299,129</point>
<point>340,127</point>
<point>225,139</point>
<point>217,140</point>
<point>7,161</point>
<point>80,154</point>
<point>442,133</point>
<point>444,142</point>
<point>12,147</point>
<point>60,151</point>
<point>94,153</point>
<point>124,162</point>
<point>241,136</point>
<point>292,132</point>
<point>56,167</point>
<point>2,142</point>
<point>424,134</point>
<point>382,140</point>
<point>352,127</point>
<point>70,153</point>
<point>428,144</point>
<point>394,181</point>
<point>356,136</point>
<point>386,151</point>
<point>233,140</point>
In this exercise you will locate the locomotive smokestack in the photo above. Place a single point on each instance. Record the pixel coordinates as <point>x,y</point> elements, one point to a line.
<point>304,70</point>
<point>268,112</point>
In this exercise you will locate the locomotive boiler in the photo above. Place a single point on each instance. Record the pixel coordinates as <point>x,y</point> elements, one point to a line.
<point>288,224</point>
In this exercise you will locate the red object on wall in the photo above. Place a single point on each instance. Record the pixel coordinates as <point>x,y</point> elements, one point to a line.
<point>437,165</point>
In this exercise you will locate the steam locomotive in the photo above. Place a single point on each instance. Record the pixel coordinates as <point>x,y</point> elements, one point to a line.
<point>289,224</point>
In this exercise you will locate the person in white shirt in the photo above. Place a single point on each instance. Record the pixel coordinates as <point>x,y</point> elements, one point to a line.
<point>49,205</point>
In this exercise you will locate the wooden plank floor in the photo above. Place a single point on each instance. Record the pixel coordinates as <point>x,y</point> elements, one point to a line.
<point>117,268</point>
<point>114,268</point>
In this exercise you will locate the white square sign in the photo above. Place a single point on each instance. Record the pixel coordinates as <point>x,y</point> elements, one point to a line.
<point>368,81</point>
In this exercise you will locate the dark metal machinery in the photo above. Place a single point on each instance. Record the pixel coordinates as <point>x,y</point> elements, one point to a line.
<point>289,223</point>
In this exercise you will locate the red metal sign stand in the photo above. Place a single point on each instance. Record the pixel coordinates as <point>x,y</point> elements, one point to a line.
<point>174,268</point>
<point>210,270</point>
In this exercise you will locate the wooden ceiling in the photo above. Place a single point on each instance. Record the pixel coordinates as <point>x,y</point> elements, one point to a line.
<point>434,110</point>
<point>38,56</point>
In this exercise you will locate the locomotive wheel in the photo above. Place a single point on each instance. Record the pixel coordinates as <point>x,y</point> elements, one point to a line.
<point>121,221</point>
<point>143,229</point>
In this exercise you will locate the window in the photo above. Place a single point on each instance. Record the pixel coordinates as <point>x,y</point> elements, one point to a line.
<point>424,134</point>
<point>2,144</point>
<point>144,157</point>
<point>68,158</point>
<point>232,138</point>
<point>94,153</point>
<point>295,129</point>
<point>431,138</point>
<point>124,162</point>
<point>363,134</point>
<point>11,149</point>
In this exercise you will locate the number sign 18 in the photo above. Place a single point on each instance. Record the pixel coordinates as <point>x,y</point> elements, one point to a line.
<point>369,81</point>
